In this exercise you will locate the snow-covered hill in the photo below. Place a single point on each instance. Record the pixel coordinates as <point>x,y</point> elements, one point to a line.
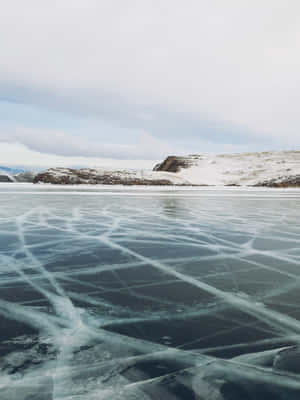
<point>244,169</point>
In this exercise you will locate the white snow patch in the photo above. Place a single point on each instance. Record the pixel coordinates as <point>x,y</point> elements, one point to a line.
<point>242,169</point>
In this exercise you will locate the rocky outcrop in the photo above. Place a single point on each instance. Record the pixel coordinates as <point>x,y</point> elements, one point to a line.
<point>175,163</point>
<point>281,182</point>
<point>70,176</point>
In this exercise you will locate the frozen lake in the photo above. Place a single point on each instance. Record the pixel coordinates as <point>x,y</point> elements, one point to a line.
<point>149,293</point>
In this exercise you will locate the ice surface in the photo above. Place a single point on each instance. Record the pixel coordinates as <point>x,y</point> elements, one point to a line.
<point>164,293</point>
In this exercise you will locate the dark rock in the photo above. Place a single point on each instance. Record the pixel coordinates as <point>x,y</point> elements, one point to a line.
<point>281,182</point>
<point>175,163</point>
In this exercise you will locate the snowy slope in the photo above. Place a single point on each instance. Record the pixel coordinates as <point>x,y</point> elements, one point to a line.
<point>245,169</point>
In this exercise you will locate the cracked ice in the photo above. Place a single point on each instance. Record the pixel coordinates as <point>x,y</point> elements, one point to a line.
<point>111,293</point>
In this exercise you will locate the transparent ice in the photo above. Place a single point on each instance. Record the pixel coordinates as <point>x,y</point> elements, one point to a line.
<point>111,293</point>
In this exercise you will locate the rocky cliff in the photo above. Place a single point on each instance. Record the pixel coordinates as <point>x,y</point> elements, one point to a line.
<point>175,163</point>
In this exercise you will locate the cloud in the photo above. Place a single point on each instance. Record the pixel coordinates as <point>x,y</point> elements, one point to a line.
<point>67,144</point>
<point>173,70</point>
<point>18,155</point>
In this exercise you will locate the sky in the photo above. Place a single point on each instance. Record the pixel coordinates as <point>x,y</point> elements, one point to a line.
<point>124,83</point>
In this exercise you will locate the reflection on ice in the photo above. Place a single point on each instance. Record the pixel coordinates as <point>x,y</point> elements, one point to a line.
<point>155,295</point>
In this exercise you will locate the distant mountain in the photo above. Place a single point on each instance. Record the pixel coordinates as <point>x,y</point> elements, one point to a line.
<point>8,174</point>
<point>11,171</point>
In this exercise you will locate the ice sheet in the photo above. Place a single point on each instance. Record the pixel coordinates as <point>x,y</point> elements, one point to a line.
<point>149,294</point>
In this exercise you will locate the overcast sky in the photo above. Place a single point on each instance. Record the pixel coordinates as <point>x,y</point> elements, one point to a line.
<point>105,81</point>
